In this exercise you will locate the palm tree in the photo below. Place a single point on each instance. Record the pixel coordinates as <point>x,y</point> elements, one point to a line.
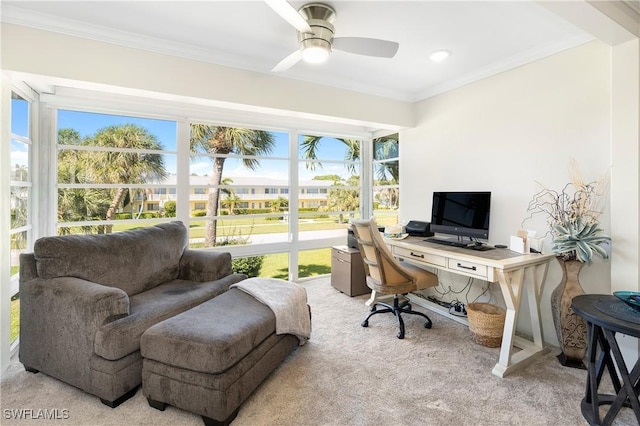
<point>386,172</point>
<point>342,199</point>
<point>74,167</point>
<point>216,142</point>
<point>278,204</point>
<point>128,166</point>
<point>310,146</point>
<point>385,148</point>
<point>337,199</point>
<point>230,200</point>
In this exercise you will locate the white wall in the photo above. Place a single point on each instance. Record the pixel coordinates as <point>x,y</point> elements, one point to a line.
<point>506,132</point>
<point>625,197</point>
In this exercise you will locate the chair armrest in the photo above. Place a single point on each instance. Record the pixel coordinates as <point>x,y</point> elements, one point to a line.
<point>202,266</point>
<point>59,319</point>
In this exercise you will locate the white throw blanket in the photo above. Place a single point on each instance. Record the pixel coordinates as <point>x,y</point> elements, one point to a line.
<point>287,300</point>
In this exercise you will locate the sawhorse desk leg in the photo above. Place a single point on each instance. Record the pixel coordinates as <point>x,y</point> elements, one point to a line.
<point>511,284</point>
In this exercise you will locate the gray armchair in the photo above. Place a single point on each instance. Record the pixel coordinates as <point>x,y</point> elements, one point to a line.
<point>85,301</point>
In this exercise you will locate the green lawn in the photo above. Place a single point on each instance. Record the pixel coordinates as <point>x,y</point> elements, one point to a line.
<point>249,226</point>
<point>15,318</point>
<point>310,263</point>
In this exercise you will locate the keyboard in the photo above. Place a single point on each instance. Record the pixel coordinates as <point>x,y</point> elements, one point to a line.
<point>453,243</point>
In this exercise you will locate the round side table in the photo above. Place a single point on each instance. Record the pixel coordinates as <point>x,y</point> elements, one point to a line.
<point>607,315</point>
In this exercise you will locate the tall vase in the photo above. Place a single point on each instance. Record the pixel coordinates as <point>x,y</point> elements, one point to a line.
<point>570,328</point>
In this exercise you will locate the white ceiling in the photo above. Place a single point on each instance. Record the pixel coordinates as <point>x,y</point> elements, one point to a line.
<point>484,37</point>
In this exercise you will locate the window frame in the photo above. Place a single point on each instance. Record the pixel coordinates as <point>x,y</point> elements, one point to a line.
<point>9,347</point>
<point>183,114</point>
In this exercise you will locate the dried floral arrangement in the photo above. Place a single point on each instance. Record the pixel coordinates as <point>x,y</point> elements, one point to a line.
<point>572,215</point>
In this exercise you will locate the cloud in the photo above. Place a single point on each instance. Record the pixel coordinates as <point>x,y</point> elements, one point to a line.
<point>200,168</point>
<point>19,158</point>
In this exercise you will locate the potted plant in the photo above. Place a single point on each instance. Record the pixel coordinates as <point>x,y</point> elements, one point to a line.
<point>573,218</point>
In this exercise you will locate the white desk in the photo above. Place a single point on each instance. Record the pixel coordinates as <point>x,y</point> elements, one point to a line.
<point>500,265</point>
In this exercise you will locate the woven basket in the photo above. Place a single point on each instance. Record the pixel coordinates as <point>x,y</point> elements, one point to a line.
<point>486,323</point>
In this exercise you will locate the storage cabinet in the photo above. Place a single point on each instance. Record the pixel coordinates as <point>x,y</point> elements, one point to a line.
<point>347,271</point>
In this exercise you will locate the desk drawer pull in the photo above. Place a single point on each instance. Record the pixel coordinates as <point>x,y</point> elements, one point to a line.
<point>460,265</point>
<point>421,256</point>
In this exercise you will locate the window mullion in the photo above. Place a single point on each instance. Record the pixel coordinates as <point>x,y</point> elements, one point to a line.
<point>293,205</point>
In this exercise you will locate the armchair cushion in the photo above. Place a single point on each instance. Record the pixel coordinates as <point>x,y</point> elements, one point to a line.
<point>121,337</point>
<point>152,257</point>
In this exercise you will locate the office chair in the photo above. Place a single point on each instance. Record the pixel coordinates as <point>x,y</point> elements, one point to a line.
<point>386,275</point>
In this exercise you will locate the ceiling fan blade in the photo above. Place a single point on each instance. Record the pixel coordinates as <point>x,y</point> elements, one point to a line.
<point>366,46</point>
<point>289,14</point>
<point>288,62</point>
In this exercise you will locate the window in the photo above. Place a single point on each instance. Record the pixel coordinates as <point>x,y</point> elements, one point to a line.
<point>386,185</point>
<point>329,178</point>
<point>110,170</point>
<point>229,194</point>
<point>20,201</point>
<point>238,167</point>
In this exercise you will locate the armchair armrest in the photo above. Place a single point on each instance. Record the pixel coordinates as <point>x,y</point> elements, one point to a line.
<point>202,266</point>
<point>59,318</point>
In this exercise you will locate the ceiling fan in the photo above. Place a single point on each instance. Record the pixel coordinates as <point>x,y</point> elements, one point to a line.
<point>314,22</point>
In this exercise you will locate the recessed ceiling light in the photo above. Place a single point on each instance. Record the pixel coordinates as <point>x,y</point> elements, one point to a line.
<point>440,55</point>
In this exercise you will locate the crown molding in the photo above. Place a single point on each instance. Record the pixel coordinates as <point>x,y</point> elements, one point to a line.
<point>515,61</point>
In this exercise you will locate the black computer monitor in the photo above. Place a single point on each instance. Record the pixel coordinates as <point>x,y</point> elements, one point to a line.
<point>465,214</point>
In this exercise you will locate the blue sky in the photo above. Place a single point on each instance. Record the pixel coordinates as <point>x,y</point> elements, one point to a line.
<point>87,124</point>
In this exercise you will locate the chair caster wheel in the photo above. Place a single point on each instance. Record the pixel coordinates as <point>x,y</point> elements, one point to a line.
<point>400,335</point>
<point>427,324</point>
<point>373,308</point>
<point>365,323</point>
<point>409,306</point>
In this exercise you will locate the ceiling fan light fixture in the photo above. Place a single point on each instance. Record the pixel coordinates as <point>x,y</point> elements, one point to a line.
<point>315,54</point>
<point>315,50</point>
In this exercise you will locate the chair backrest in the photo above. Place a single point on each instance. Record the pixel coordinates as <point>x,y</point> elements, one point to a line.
<point>384,272</point>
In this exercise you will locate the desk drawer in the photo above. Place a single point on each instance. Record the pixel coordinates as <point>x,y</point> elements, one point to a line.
<point>468,268</point>
<point>419,256</point>
<point>341,255</point>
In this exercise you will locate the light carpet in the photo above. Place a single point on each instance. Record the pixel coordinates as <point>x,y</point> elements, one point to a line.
<point>350,375</point>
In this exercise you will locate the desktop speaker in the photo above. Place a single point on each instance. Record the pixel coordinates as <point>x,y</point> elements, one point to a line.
<point>415,228</point>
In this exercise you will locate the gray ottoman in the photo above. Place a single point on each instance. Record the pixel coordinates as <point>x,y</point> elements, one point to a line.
<point>208,360</point>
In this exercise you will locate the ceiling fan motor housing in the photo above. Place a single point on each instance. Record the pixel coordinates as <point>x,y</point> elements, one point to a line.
<point>320,18</point>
